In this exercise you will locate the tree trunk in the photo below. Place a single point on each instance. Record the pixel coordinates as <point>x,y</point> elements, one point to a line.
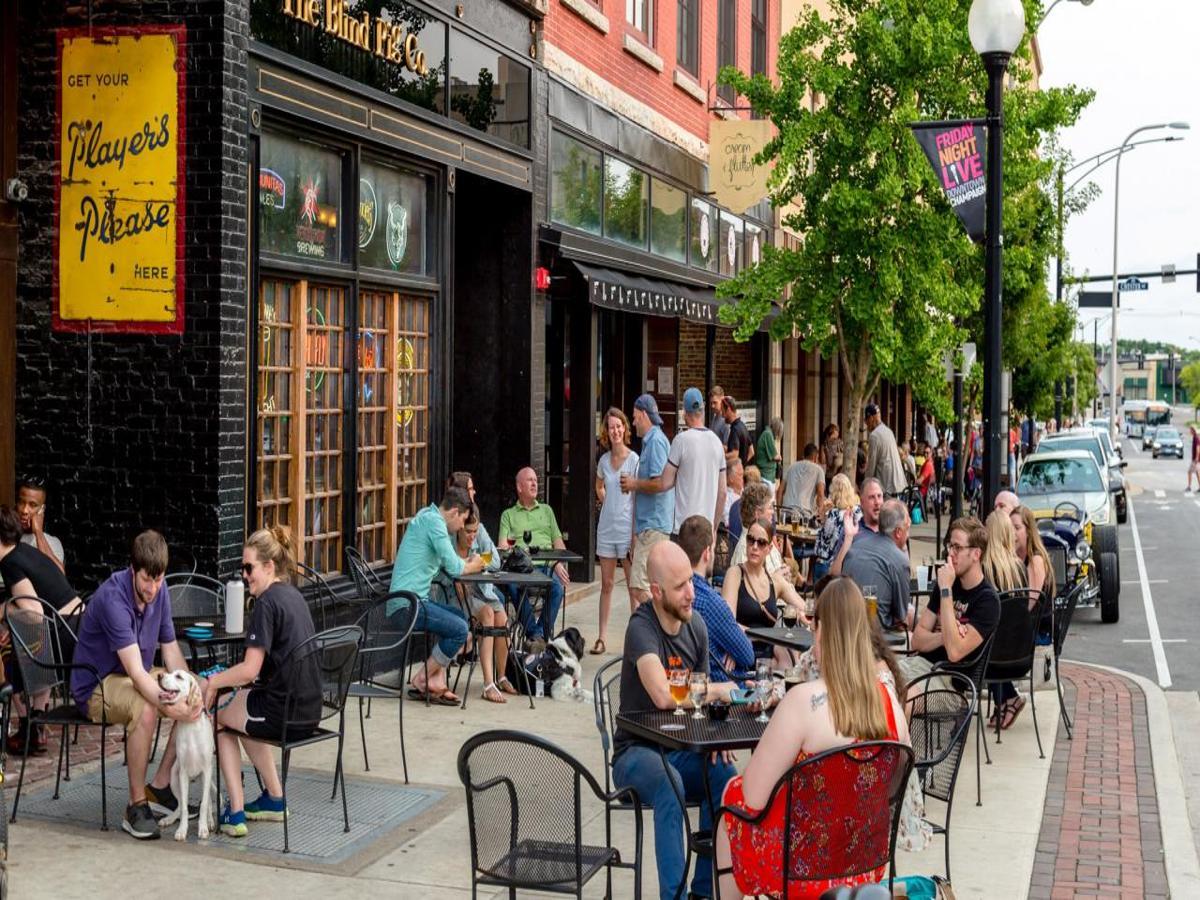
<point>861,382</point>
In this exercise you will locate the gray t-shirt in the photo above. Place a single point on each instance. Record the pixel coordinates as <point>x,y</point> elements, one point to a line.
<point>800,486</point>
<point>644,635</point>
<point>875,559</point>
<point>55,544</point>
<point>698,456</point>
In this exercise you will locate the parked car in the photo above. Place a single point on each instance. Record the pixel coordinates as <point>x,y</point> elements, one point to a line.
<point>1167,442</point>
<point>1110,465</point>
<point>1067,492</point>
<point>1148,436</point>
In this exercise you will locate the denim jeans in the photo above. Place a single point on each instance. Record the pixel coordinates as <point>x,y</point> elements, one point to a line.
<point>543,625</point>
<point>641,767</point>
<point>448,623</point>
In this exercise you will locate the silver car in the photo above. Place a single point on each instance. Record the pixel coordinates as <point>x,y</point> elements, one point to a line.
<point>1167,442</point>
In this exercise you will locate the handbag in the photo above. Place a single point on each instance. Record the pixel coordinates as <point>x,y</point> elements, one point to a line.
<point>518,562</point>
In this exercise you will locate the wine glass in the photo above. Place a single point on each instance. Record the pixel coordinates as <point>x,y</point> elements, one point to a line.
<point>677,679</point>
<point>699,690</point>
<point>762,689</point>
<point>527,539</point>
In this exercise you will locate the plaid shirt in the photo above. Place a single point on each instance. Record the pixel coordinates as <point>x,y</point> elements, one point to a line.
<point>725,637</point>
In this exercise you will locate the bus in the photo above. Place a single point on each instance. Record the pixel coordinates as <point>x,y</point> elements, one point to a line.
<point>1142,413</point>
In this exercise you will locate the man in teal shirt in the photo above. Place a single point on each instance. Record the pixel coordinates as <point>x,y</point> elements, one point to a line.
<point>529,523</point>
<point>426,550</point>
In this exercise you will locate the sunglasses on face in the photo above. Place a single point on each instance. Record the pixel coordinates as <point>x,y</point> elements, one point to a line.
<point>247,568</point>
<point>761,543</point>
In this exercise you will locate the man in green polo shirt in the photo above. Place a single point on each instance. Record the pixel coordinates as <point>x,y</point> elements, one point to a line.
<point>528,523</point>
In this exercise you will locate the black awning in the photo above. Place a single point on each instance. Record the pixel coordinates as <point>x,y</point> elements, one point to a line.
<point>649,296</point>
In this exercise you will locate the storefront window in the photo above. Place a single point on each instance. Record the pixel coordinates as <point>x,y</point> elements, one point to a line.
<point>488,90</point>
<point>392,220</point>
<point>575,183</point>
<point>324,369</point>
<point>393,76</point>
<point>299,199</point>
<point>626,200</point>
<point>704,235</point>
<point>277,373</point>
<point>668,221</point>
<point>756,236</point>
<point>729,245</point>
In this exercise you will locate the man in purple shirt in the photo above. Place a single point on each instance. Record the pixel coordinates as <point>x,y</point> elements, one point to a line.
<point>126,620</point>
<point>730,653</point>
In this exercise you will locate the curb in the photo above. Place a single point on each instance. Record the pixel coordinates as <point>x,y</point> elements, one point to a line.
<point>1179,847</point>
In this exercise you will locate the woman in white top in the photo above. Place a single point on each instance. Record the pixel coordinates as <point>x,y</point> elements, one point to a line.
<point>614,530</point>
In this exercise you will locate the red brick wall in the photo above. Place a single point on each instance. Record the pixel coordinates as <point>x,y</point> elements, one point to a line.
<point>691,356</point>
<point>733,364</point>
<point>605,54</point>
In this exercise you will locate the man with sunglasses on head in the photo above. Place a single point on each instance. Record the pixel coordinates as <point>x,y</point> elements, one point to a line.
<point>952,629</point>
<point>31,507</point>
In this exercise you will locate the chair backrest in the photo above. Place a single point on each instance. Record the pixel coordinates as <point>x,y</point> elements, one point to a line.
<point>318,594</point>
<point>524,791</point>
<point>366,582</point>
<point>1064,610</point>
<point>1013,640</point>
<point>386,638</point>
<point>606,698</point>
<point>1056,549</point>
<point>842,809</point>
<point>42,643</point>
<point>194,595</point>
<point>326,660</point>
<point>939,719</point>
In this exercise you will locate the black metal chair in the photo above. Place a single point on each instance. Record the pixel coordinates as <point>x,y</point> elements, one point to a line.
<point>821,838</point>
<point>525,815</point>
<point>39,641</point>
<point>939,718</point>
<point>1013,649</point>
<point>1064,611</point>
<point>368,584</point>
<point>975,672</point>
<point>444,591</point>
<point>330,656</point>
<point>386,643</point>
<point>322,601</point>
<point>194,595</point>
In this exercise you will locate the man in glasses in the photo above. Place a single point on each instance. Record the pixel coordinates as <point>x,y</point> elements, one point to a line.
<point>965,611</point>
<point>31,507</point>
<point>127,619</point>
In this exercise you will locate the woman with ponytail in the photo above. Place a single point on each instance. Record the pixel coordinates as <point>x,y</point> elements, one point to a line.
<point>279,623</point>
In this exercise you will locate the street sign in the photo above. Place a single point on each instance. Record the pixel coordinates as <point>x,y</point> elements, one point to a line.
<point>1168,273</point>
<point>1097,299</point>
<point>1133,284</point>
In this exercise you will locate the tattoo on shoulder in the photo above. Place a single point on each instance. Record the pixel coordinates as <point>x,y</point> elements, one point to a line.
<point>819,700</point>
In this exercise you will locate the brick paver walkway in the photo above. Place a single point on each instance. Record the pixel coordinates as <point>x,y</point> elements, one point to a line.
<point>1100,832</point>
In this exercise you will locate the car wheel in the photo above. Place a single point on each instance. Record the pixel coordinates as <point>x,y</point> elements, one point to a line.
<point>1104,540</point>
<point>1110,589</point>
<point>1122,512</point>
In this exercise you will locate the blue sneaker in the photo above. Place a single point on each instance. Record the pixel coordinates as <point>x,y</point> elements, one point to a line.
<point>265,809</point>
<point>233,823</point>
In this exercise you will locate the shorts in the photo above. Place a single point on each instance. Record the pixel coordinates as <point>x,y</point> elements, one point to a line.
<point>478,601</point>
<point>638,580</point>
<point>1194,466</point>
<point>123,703</point>
<point>606,550</point>
<point>264,719</point>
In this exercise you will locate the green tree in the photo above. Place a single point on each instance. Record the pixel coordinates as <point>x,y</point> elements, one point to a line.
<point>885,278</point>
<point>1189,377</point>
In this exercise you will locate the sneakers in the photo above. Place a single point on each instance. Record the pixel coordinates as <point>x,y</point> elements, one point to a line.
<point>15,743</point>
<point>164,802</point>
<point>265,809</point>
<point>233,823</point>
<point>139,821</point>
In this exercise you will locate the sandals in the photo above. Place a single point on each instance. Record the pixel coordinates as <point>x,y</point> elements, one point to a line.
<point>1012,709</point>
<point>492,694</point>
<point>444,698</point>
<point>506,686</point>
<point>599,648</point>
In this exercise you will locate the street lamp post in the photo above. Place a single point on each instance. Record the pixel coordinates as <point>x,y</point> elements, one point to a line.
<point>1112,360</point>
<point>996,28</point>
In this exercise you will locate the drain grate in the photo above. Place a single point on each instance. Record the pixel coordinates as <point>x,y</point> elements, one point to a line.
<point>314,823</point>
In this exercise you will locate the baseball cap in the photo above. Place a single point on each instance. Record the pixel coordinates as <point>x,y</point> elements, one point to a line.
<point>693,400</point>
<point>647,404</point>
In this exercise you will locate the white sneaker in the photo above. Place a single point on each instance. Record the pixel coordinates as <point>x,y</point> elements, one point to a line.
<point>1189,492</point>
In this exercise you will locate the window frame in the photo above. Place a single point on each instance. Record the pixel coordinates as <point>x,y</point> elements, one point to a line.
<point>645,35</point>
<point>687,36</point>
<point>759,28</point>
<point>726,44</point>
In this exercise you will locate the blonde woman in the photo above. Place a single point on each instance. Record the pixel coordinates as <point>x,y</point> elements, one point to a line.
<point>1000,564</point>
<point>833,529</point>
<point>614,528</point>
<point>855,699</point>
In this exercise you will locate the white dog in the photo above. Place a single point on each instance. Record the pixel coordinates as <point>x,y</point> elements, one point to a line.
<point>566,686</point>
<point>193,754</point>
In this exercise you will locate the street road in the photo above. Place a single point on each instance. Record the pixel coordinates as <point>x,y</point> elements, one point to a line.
<point>1168,527</point>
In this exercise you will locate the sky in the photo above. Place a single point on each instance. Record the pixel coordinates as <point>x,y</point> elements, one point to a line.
<point>1140,57</point>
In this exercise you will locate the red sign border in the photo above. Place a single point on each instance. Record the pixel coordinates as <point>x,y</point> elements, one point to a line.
<point>179,32</point>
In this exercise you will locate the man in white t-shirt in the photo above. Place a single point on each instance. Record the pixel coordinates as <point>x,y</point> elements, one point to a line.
<point>695,468</point>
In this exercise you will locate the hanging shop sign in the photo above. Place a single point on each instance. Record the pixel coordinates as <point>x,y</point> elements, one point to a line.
<point>956,150</point>
<point>119,191</point>
<point>346,21</point>
<point>737,182</point>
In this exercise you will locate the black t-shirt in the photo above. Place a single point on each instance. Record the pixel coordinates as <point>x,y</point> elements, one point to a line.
<point>978,607</point>
<point>644,635</point>
<point>279,623</point>
<point>43,573</point>
<point>738,440</point>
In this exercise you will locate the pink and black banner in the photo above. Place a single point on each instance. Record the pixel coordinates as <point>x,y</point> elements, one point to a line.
<point>956,150</point>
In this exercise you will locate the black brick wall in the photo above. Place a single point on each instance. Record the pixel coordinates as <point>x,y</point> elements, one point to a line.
<point>137,431</point>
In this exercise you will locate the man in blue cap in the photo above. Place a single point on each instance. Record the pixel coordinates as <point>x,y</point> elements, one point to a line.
<point>695,468</point>
<point>652,511</point>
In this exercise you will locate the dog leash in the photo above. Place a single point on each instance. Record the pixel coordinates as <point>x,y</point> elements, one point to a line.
<point>209,673</point>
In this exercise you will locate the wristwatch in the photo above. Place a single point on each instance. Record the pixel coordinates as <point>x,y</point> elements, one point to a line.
<point>945,592</point>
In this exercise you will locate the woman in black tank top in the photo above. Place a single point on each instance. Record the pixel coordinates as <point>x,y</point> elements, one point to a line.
<point>752,592</point>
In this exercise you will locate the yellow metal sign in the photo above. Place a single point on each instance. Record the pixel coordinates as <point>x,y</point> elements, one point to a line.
<point>119,209</point>
<point>736,181</point>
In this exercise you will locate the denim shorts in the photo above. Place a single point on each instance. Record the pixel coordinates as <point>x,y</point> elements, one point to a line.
<point>605,550</point>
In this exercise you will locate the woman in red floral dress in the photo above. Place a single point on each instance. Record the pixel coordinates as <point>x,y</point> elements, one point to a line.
<point>853,700</point>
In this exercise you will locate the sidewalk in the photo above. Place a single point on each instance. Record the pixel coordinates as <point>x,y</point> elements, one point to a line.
<point>1020,838</point>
